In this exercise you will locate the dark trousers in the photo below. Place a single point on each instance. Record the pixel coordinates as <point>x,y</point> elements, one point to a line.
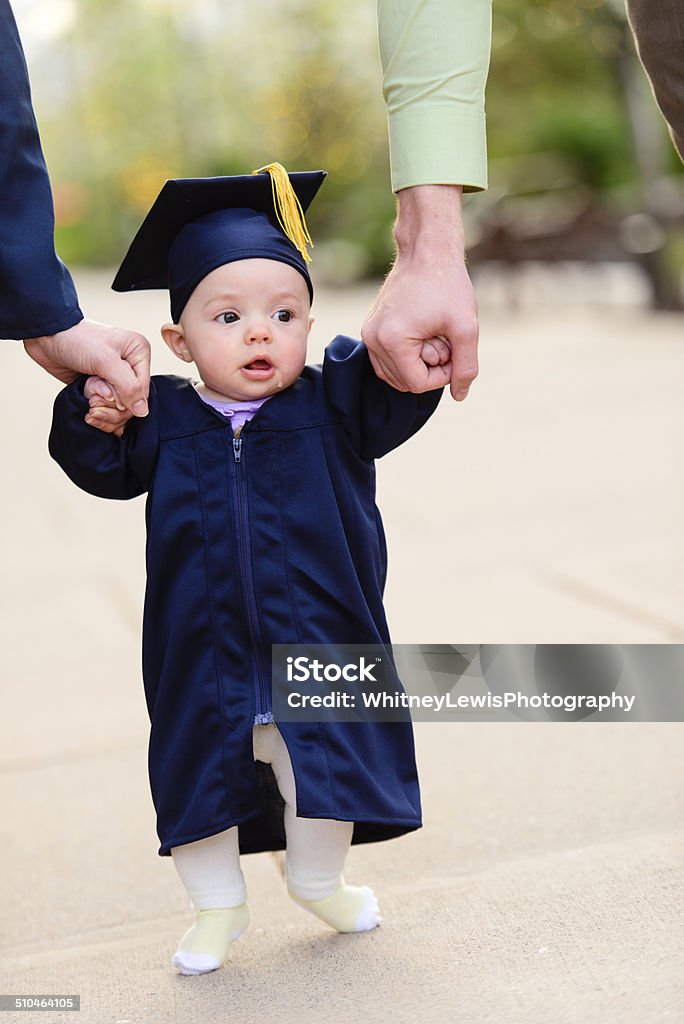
<point>658,27</point>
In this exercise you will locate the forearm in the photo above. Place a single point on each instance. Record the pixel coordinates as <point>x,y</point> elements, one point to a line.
<point>435,57</point>
<point>429,223</point>
<point>37,296</point>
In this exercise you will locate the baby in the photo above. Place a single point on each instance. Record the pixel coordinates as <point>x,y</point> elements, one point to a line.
<point>261,529</point>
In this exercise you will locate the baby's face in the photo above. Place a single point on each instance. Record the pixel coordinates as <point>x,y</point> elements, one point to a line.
<point>245,327</point>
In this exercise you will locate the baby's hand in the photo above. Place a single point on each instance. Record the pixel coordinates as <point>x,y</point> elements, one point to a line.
<point>103,412</point>
<point>436,352</point>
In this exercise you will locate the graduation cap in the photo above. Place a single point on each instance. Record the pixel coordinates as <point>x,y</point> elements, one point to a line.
<point>198,224</point>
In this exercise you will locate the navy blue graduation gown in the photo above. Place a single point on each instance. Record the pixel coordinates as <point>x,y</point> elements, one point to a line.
<point>277,542</point>
<point>37,295</point>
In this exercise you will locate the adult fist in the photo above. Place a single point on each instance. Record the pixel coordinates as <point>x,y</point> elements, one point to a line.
<point>426,298</point>
<point>119,356</point>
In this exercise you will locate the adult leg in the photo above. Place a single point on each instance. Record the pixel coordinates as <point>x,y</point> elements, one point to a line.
<point>658,27</point>
<point>210,871</point>
<point>316,850</point>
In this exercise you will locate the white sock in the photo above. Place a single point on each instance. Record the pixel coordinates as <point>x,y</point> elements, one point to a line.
<point>210,871</point>
<point>351,909</point>
<point>205,946</point>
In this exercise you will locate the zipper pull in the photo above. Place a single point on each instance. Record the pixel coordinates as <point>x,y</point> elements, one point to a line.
<point>237,448</point>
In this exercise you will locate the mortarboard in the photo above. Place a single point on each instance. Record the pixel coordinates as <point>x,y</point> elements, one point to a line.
<point>197,224</point>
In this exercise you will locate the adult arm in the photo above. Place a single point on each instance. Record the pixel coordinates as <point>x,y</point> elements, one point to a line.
<point>435,57</point>
<point>37,294</point>
<point>659,32</point>
<point>38,299</point>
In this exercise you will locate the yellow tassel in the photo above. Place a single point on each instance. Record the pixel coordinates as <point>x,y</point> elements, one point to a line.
<point>288,208</point>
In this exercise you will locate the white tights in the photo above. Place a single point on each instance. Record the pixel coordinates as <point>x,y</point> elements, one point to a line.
<point>316,847</point>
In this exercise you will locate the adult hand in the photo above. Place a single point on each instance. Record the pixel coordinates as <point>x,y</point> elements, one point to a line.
<point>426,297</point>
<point>119,356</point>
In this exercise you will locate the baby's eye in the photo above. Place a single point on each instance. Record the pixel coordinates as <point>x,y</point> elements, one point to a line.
<point>227,318</point>
<point>283,315</point>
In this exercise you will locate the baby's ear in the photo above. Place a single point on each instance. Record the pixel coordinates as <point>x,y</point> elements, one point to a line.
<point>312,321</point>
<point>174,337</point>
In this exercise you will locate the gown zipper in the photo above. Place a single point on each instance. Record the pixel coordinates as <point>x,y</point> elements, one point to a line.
<point>263,712</point>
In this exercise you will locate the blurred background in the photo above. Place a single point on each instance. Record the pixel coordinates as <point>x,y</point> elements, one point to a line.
<point>586,197</point>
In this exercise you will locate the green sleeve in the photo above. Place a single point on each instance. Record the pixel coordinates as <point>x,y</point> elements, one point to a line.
<point>435,57</point>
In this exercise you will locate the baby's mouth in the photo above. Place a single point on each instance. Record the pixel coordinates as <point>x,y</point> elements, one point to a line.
<point>260,368</point>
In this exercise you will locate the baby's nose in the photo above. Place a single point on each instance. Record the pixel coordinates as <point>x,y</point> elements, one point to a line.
<point>258,331</point>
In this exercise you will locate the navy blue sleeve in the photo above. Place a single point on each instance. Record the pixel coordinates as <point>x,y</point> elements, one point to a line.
<point>376,416</point>
<point>37,295</point>
<point>103,464</point>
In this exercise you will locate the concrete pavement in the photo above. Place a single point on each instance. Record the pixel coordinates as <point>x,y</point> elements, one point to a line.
<point>547,883</point>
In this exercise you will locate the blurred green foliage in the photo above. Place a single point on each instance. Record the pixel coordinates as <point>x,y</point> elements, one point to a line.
<point>141,90</point>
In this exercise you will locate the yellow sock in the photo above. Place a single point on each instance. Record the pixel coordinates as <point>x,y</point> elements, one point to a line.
<point>205,946</point>
<point>350,909</point>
